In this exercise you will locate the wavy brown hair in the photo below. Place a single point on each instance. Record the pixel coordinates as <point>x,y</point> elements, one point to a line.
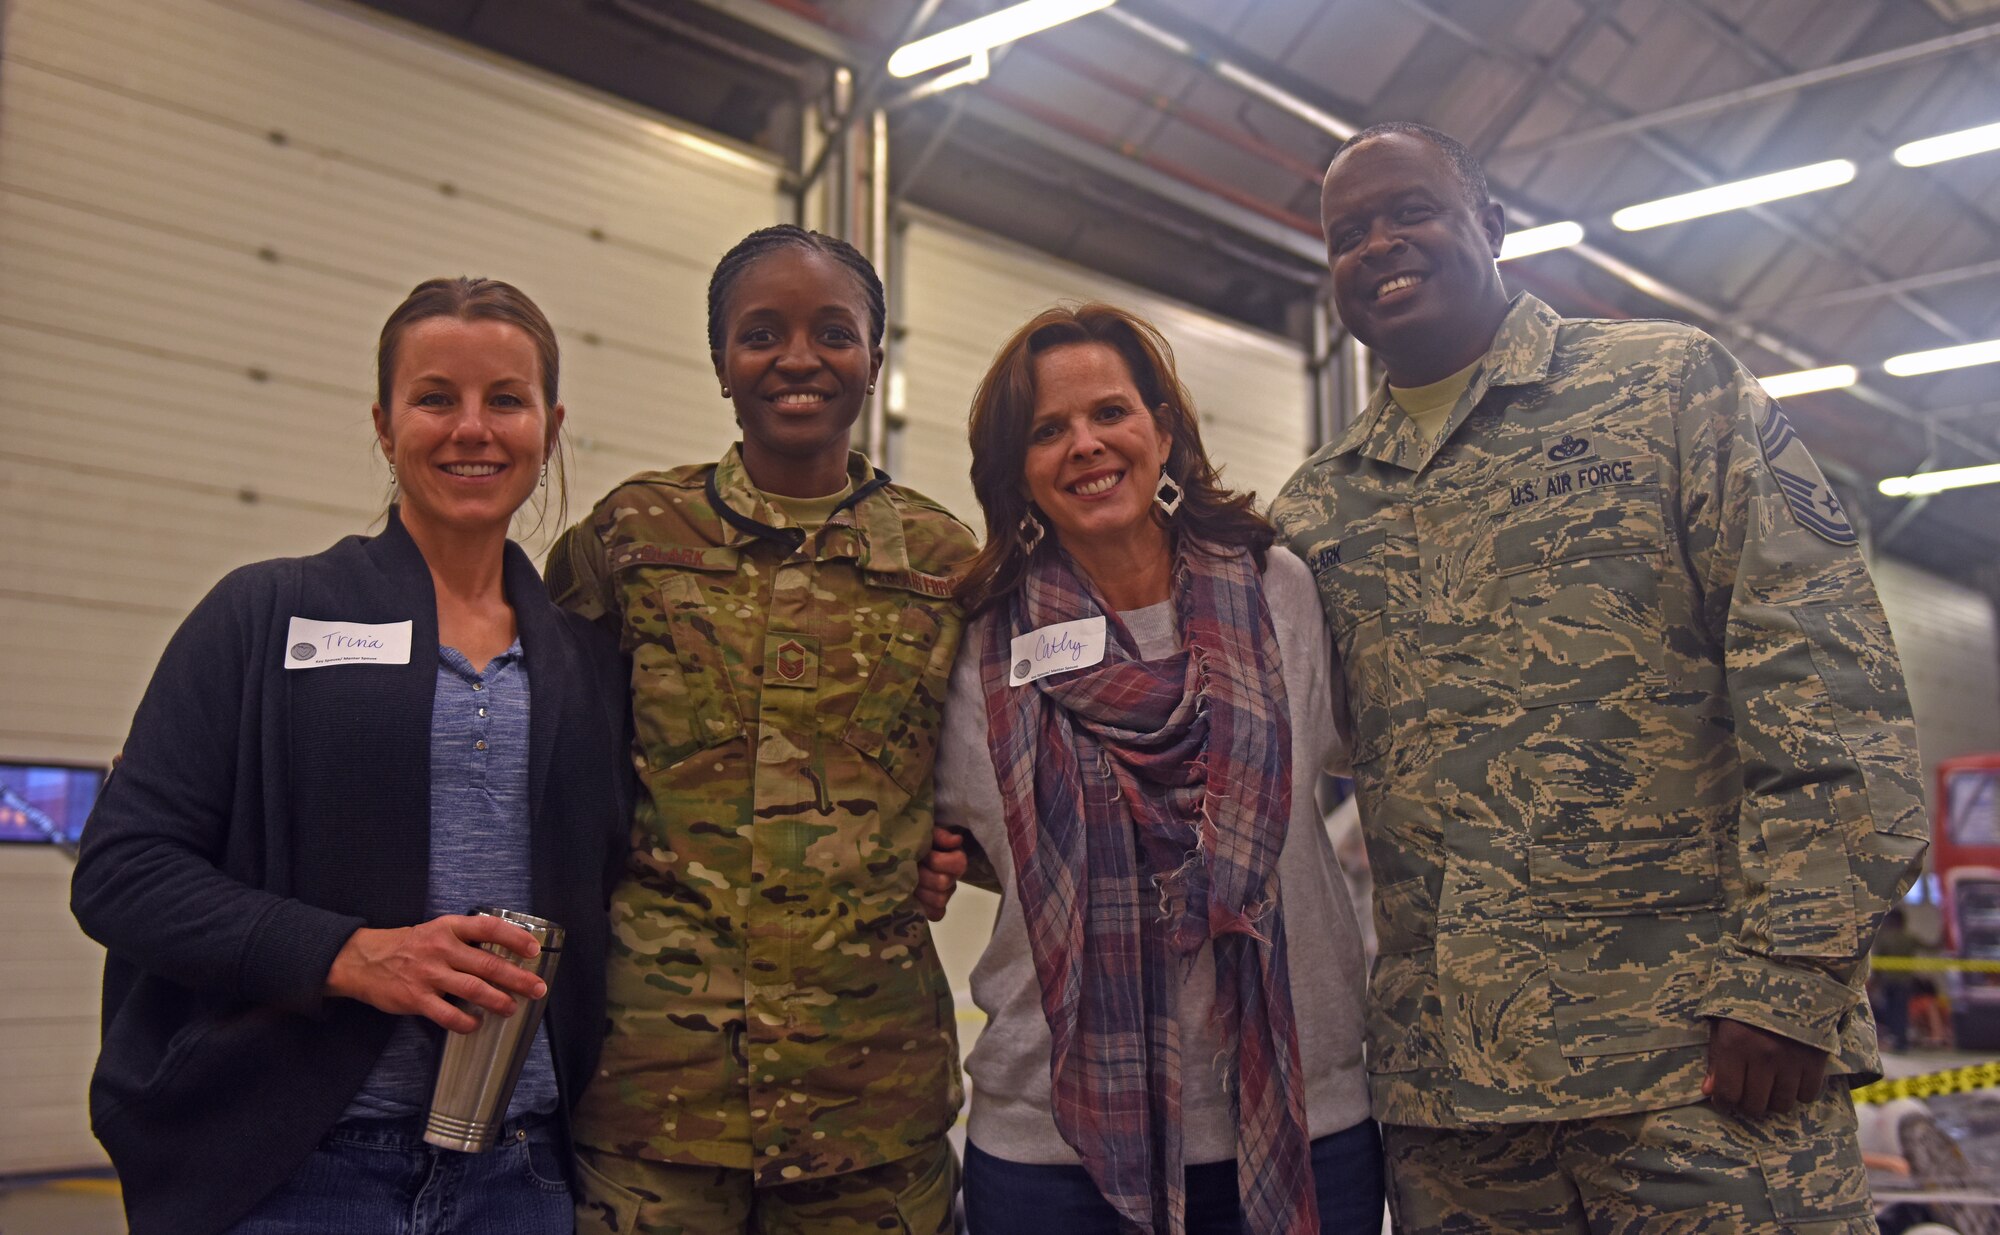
<point>1004,406</point>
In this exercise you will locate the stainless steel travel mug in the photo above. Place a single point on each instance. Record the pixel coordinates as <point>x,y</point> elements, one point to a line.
<point>476,1074</point>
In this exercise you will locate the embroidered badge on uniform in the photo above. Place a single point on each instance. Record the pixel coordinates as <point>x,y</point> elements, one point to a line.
<point>1806,492</point>
<point>792,660</point>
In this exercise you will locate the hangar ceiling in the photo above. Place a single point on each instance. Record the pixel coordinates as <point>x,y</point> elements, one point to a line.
<point>1178,144</point>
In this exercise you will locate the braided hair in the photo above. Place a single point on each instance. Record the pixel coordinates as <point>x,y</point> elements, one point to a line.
<point>770,239</point>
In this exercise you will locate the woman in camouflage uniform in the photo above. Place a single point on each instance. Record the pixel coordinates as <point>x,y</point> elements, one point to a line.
<point>782,1055</point>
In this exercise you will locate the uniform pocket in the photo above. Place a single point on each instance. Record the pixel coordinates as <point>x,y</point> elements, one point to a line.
<point>1815,1174</point>
<point>603,1206</point>
<point>682,700</point>
<point>925,1206</point>
<point>1405,1023</point>
<point>1583,590</point>
<point>1353,579</point>
<point>895,721</point>
<point>1619,878</point>
<point>1631,982</point>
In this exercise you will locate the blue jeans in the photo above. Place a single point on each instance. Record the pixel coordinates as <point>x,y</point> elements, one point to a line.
<point>377,1177</point>
<point>1013,1198</point>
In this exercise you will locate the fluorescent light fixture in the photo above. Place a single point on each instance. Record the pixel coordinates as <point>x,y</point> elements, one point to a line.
<point>977,69</point>
<point>1937,482</point>
<point>1805,381</point>
<point>1949,146</point>
<point>1533,240</point>
<point>1910,364</point>
<point>985,33</point>
<point>1735,196</point>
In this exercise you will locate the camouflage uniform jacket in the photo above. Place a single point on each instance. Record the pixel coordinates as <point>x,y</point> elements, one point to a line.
<point>1630,736</point>
<point>775,1003</point>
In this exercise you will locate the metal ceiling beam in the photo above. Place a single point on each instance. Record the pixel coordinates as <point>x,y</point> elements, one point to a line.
<point>794,29</point>
<point>1169,188</point>
<point>1776,88</point>
<point>768,17</point>
<point>1651,285</point>
<point>1689,165</point>
<point>1871,291</point>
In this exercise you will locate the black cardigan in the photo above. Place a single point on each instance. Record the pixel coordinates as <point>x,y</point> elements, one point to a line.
<point>260,816</point>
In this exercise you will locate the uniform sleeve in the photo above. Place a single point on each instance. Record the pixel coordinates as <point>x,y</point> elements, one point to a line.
<point>578,576</point>
<point>152,881</point>
<point>1831,828</point>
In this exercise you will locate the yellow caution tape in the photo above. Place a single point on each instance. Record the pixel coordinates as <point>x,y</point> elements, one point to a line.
<point>1931,1084</point>
<point>1931,964</point>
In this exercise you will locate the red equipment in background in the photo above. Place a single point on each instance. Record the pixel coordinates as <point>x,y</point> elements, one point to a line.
<point>1965,854</point>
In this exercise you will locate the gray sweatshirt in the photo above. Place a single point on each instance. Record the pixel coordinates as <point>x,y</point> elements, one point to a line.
<point>1009,1065</point>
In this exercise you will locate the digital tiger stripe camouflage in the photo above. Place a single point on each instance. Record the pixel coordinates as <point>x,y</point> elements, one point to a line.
<point>1631,738</point>
<point>775,1001</point>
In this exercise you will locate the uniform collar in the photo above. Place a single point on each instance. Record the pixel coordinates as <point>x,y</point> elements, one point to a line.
<point>1519,354</point>
<point>865,527</point>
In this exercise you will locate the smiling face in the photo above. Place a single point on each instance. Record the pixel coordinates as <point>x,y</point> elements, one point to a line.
<point>1412,257</point>
<point>797,361</point>
<point>1094,450</point>
<point>467,426</point>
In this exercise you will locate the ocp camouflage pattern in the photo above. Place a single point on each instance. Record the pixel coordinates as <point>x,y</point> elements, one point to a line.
<point>775,1002</point>
<point>1631,739</point>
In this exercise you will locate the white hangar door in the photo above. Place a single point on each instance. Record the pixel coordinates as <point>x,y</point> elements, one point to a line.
<point>964,292</point>
<point>207,207</point>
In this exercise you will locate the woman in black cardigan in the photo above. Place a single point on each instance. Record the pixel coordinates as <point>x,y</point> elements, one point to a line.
<point>278,867</point>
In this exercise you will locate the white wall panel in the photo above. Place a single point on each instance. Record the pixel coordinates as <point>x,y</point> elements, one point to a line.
<point>1949,641</point>
<point>48,1021</point>
<point>207,207</point>
<point>964,292</point>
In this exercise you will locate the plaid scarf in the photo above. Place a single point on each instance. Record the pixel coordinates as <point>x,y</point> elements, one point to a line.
<point>1146,804</point>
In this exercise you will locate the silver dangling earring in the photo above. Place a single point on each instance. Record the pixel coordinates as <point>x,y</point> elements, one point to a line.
<point>1031,533</point>
<point>392,473</point>
<point>545,475</point>
<point>1168,496</point>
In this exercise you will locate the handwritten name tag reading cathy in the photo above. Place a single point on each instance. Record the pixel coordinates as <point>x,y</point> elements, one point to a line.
<point>1057,649</point>
<point>315,645</point>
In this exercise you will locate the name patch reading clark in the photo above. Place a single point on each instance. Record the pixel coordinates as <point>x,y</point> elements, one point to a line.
<point>1057,649</point>
<point>312,644</point>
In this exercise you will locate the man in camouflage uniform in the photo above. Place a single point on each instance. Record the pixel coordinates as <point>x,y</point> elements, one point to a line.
<point>1634,757</point>
<point>776,1008</point>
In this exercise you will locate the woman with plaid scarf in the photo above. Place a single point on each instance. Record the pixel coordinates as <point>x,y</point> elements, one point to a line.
<point>1134,729</point>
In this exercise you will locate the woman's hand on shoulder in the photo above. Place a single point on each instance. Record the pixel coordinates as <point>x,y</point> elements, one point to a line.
<point>410,970</point>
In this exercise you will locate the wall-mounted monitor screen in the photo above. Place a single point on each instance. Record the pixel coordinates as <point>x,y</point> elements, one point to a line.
<point>45,804</point>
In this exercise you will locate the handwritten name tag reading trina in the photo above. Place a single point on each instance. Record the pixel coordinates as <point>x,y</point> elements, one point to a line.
<point>1056,649</point>
<point>316,645</point>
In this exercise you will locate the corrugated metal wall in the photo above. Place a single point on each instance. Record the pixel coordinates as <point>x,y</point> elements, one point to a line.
<point>963,292</point>
<point>207,207</point>
<point>1949,640</point>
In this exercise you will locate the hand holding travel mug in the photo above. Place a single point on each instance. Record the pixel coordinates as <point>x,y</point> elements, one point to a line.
<point>477,1072</point>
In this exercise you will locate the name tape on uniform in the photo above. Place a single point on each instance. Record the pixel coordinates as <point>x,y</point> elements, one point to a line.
<point>1056,649</point>
<point>312,644</point>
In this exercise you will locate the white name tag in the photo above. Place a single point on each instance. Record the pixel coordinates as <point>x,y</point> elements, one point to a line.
<point>1057,649</point>
<point>315,645</point>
